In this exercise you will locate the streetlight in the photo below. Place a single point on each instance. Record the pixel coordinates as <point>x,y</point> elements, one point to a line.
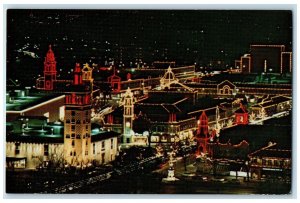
<point>27,123</point>
<point>23,129</point>
<point>247,168</point>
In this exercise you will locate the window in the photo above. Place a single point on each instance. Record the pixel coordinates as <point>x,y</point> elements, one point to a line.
<point>94,148</point>
<point>73,143</point>
<point>86,113</point>
<point>67,135</point>
<point>73,120</point>
<point>128,140</point>
<point>103,144</point>
<point>86,153</point>
<point>103,158</point>
<point>86,142</point>
<point>68,121</point>
<point>78,121</point>
<point>73,113</point>
<point>111,143</point>
<point>46,150</point>
<point>17,149</point>
<point>74,153</point>
<point>86,127</point>
<point>270,162</point>
<point>73,135</point>
<point>62,113</point>
<point>71,153</point>
<point>73,128</point>
<point>77,136</point>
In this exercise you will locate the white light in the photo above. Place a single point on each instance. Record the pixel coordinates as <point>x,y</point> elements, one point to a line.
<point>127,124</point>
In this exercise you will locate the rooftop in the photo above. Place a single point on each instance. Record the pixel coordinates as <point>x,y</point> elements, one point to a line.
<point>276,130</point>
<point>272,152</point>
<point>49,133</point>
<point>19,100</point>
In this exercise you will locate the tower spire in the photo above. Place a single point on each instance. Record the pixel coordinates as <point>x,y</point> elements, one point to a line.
<point>49,70</point>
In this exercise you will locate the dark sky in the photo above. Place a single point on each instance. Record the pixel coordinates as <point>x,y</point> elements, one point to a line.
<point>183,36</point>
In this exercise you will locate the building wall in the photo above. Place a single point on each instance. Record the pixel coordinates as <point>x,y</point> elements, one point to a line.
<point>77,136</point>
<point>246,64</point>
<point>286,62</point>
<point>34,153</point>
<point>104,151</point>
<point>270,53</point>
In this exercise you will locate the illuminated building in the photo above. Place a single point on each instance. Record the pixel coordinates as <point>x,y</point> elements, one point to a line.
<point>164,64</point>
<point>35,134</point>
<point>266,59</point>
<point>202,137</point>
<point>286,62</point>
<point>271,161</point>
<point>229,89</point>
<point>34,103</point>
<point>32,142</point>
<point>272,105</point>
<point>237,64</point>
<point>115,82</point>
<point>245,63</point>
<point>87,76</point>
<point>49,70</point>
<point>128,115</point>
<point>241,116</point>
<point>142,80</point>
<point>266,54</point>
<point>77,125</point>
<point>172,109</point>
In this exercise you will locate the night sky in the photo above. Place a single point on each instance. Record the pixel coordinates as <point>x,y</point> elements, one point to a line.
<point>131,36</point>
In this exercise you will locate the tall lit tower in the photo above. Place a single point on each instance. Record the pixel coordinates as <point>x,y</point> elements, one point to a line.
<point>202,136</point>
<point>49,70</point>
<point>77,125</point>
<point>128,115</point>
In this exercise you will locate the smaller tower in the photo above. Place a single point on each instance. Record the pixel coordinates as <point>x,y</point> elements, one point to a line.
<point>168,79</point>
<point>115,82</point>
<point>49,70</point>
<point>87,76</point>
<point>241,116</point>
<point>77,80</point>
<point>128,116</point>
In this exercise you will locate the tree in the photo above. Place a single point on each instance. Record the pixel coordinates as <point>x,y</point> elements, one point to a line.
<point>142,124</point>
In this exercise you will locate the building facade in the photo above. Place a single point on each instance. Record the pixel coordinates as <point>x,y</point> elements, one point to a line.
<point>77,125</point>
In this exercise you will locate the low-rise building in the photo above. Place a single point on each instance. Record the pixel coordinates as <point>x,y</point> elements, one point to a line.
<point>271,161</point>
<point>42,145</point>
